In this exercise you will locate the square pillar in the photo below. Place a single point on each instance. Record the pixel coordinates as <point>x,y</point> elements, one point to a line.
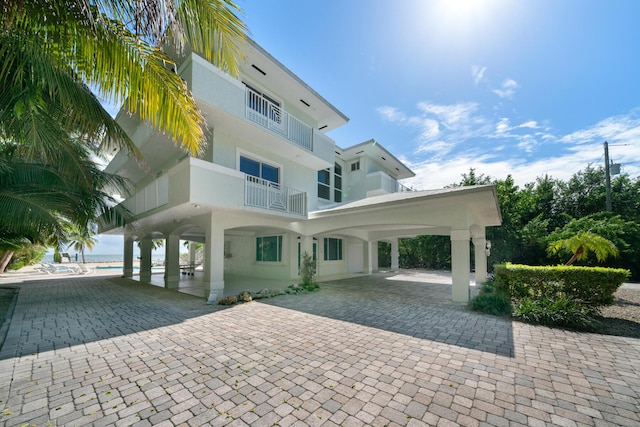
<point>128,258</point>
<point>395,255</point>
<point>370,256</point>
<point>480,259</point>
<point>146,246</point>
<point>172,262</point>
<point>460,265</point>
<point>214,262</point>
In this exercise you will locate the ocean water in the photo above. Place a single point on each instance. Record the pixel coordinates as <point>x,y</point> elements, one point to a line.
<point>88,258</point>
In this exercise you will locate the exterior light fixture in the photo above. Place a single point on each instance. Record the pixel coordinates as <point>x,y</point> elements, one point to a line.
<point>487,249</point>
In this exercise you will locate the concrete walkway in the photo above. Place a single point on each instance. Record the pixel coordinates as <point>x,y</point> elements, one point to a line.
<point>367,351</point>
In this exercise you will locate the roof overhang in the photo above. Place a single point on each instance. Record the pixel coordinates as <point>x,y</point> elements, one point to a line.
<point>374,150</point>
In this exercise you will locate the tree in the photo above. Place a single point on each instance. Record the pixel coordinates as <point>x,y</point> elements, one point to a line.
<point>81,238</point>
<point>55,54</point>
<point>583,243</point>
<point>54,50</point>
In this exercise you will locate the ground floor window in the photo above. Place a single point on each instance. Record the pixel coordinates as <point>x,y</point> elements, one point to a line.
<point>332,249</point>
<point>269,248</point>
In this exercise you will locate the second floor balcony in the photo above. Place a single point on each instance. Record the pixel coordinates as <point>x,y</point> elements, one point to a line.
<point>196,182</point>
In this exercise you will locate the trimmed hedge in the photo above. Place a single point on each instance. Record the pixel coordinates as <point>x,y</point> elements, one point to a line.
<point>591,286</point>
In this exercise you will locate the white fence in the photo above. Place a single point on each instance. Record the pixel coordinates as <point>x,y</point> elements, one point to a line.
<point>269,195</point>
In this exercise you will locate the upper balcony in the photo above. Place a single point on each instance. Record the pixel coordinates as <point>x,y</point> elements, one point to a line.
<point>381,183</point>
<point>231,107</point>
<point>263,111</point>
<point>195,183</point>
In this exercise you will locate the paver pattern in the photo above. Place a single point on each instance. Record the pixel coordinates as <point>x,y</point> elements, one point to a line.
<point>368,351</point>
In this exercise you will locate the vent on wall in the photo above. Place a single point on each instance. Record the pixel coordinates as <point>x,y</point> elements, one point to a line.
<point>320,128</point>
<point>305,103</point>
<point>258,69</point>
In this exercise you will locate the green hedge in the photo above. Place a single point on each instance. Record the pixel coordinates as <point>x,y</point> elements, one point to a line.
<point>592,286</point>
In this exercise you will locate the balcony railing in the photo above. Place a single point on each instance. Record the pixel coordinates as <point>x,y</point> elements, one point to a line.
<point>265,194</point>
<point>401,188</point>
<point>264,112</point>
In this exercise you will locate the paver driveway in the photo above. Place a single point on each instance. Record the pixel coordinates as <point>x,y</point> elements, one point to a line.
<point>358,352</point>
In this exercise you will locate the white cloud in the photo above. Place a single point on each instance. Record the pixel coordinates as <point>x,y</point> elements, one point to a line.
<point>623,129</point>
<point>507,89</point>
<point>477,72</point>
<point>454,138</point>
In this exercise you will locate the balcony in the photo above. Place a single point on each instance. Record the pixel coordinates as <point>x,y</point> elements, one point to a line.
<point>381,183</point>
<point>269,195</point>
<point>263,111</point>
<point>197,182</point>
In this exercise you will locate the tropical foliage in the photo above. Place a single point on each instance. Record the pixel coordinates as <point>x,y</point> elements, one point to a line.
<point>59,59</point>
<point>546,211</point>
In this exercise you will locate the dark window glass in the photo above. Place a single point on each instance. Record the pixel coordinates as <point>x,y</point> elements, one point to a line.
<point>324,177</point>
<point>270,173</point>
<point>250,166</point>
<point>324,192</point>
<point>332,249</point>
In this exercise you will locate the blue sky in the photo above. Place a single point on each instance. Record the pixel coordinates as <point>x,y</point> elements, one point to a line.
<point>520,87</point>
<point>526,87</point>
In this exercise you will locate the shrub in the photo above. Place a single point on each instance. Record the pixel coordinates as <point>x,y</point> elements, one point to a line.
<point>497,304</point>
<point>491,300</point>
<point>560,311</point>
<point>591,286</point>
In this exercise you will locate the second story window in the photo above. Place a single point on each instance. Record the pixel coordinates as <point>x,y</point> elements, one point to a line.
<point>337,183</point>
<point>355,166</point>
<point>259,169</point>
<point>324,184</point>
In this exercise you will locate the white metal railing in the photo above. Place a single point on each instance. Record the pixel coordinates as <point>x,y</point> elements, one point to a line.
<point>270,195</point>
<point>401,188</point>
<point>273,117</point>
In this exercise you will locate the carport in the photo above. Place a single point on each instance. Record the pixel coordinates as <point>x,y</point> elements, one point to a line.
<point>462,213</point>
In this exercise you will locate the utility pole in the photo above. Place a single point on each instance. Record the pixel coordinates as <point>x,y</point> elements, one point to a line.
<point>607,176</point>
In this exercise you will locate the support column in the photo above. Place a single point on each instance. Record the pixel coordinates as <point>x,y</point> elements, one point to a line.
<point>460,265</point>
<point>172,262</point>
<point>395,255</point>
<point>480,246</point>
<point>128,258</point>
<point>214,261</point>
<point>370,256</point>
<point>374,257</point>
<point>306,245</point>
<point>146,247</point>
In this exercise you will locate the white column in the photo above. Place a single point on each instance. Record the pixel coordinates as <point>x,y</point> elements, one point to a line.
<point>460,265</point>
<point>306,245</point>
<point>172,262</point>
<point>395,255</point>
<point>480,246</point>
<point>128,258</point>
<point>145,260</point>
<point>369,248</point>
<point>214,261</point>
<point>374,256</point>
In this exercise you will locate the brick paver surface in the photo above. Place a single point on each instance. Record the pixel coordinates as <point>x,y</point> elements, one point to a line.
<point>367,351</point>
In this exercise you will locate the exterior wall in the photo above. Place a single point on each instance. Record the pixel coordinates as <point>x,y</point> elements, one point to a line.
<point>243,257</point>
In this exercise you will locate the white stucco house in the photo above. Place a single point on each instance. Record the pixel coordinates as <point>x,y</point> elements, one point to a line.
<point>272,185</point>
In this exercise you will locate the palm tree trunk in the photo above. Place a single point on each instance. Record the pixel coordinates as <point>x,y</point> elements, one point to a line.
<point>5,259</point>
<point>575,255</point>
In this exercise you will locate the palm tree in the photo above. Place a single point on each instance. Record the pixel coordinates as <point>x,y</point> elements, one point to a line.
<point>81,238</point>
<point>55,54</point>
<point>583,243</point>
<point>53,49</point>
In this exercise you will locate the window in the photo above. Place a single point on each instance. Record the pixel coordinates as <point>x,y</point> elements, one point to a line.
<point>260,170</point>
<point>355,166</point>
<point>269,248</point>
<point>337,183</point>
<point>324,184</point>
<point>332,249</point>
